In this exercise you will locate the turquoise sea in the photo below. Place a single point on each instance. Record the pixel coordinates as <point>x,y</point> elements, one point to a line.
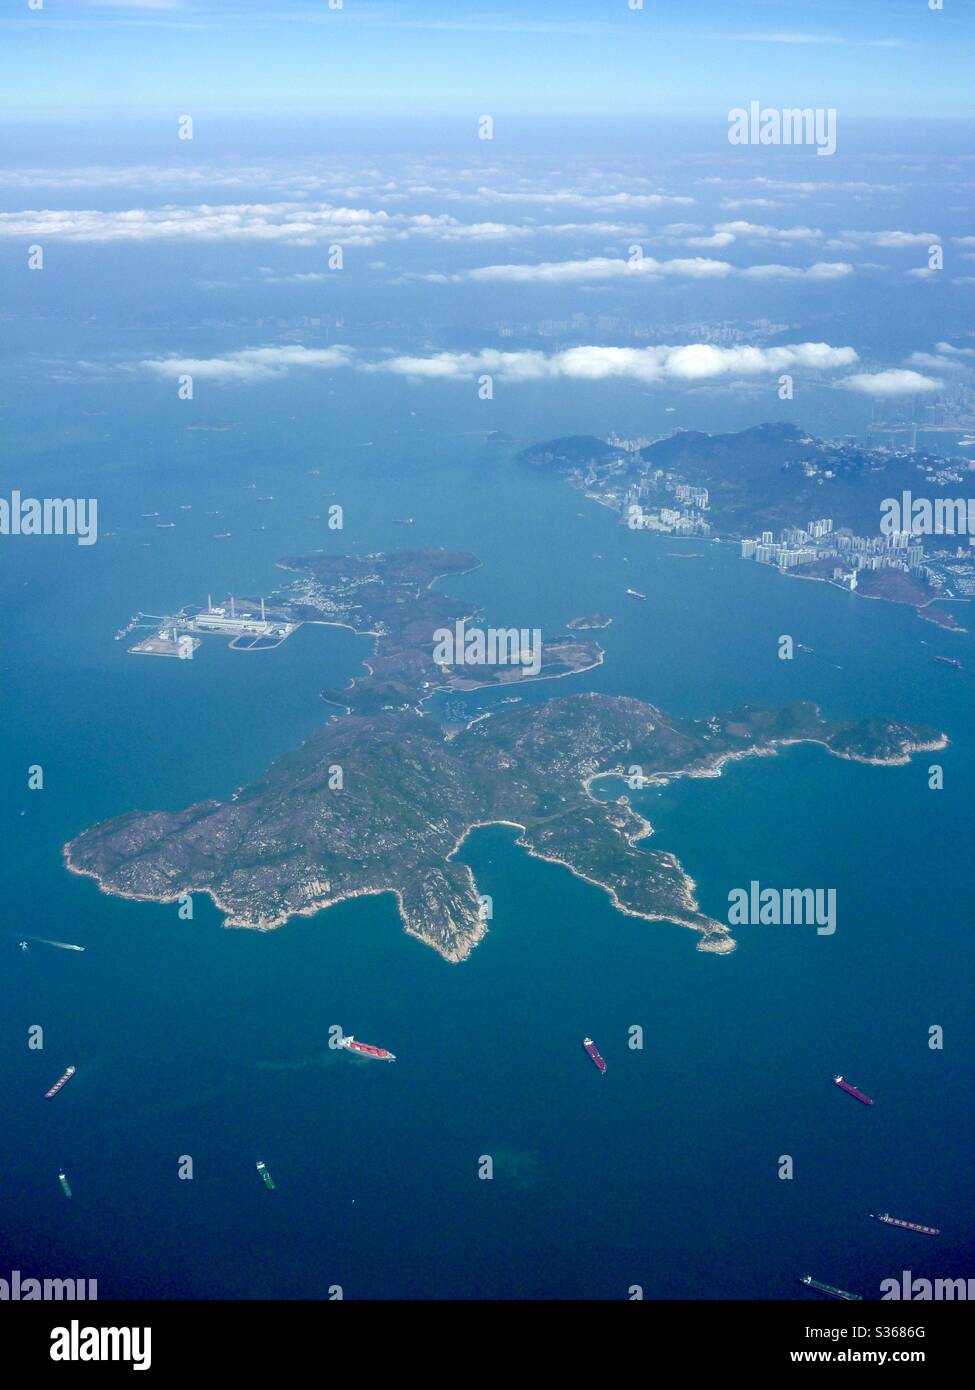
<point>193,1040</point>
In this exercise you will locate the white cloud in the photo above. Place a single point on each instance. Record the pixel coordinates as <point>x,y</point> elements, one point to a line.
<point>945,358</point>
<point>616,268</point>
<point>597,268</point>
<point>688,364</point>
<point>832,40</point>
<point>822,270</point>
<point>298,277</point>
<point>934,362</point>
<point>890,240</point>
<point>947,350</point>
<point>754,231</point>
<point>250,364</point>
<point>289,222</point>
<point>897,381</point>
<point>691,363</point>
<point>571,198</point>
<point>715,241</point>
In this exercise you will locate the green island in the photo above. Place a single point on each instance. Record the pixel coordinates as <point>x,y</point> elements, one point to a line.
<point>588,621</point>
<point>391,598</point>
<point>302,838</point>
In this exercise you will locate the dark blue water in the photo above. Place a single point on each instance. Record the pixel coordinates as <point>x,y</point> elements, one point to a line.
<point>193,1040</point>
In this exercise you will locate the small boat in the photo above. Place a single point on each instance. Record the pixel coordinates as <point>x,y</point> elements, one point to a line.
<point>831,1289</point>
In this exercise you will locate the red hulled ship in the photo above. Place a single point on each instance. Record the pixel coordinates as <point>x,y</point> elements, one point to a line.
<point>366,1049</point>
<point>594,1054</point>
<point>852,1090</point>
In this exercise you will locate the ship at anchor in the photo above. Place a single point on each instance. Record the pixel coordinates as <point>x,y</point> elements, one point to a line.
<point>852,1090</point>
<point>365,1049</point>
<point>889,1220</point>
<point>61,1081</point>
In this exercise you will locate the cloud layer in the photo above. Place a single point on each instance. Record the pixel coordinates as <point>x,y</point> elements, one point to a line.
<point>690,363</point>
<point>250,364</point>
<point>597,268</point>
<point>295,224</point>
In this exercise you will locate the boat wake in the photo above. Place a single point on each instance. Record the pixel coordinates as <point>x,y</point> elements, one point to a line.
<point>43,941</point>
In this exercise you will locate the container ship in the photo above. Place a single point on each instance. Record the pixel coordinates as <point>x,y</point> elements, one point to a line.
<point>266,1178</point>
<point>61,1081</point>
<point>365,1049</point>
<point>889,1220</point>
<point>833,1292</point>
<point>852,1090</point>
<point>65,1185</point>
<point>635,593</point>
<point>594,1053</point>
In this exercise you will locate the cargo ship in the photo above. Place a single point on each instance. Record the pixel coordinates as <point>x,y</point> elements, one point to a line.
<point>635,593</point>
<point>61,1081</point>
<point>594,1054</point>
<point>852,1090</point>
<point>366,1049</point>
<point>65,1185</point>
<point>889,1220</point>
<point>833,1292</point>
<point>266,1178</point>
<point>949,661</point>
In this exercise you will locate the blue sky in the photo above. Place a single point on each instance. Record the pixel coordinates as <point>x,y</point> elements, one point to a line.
<point>892,58</point>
